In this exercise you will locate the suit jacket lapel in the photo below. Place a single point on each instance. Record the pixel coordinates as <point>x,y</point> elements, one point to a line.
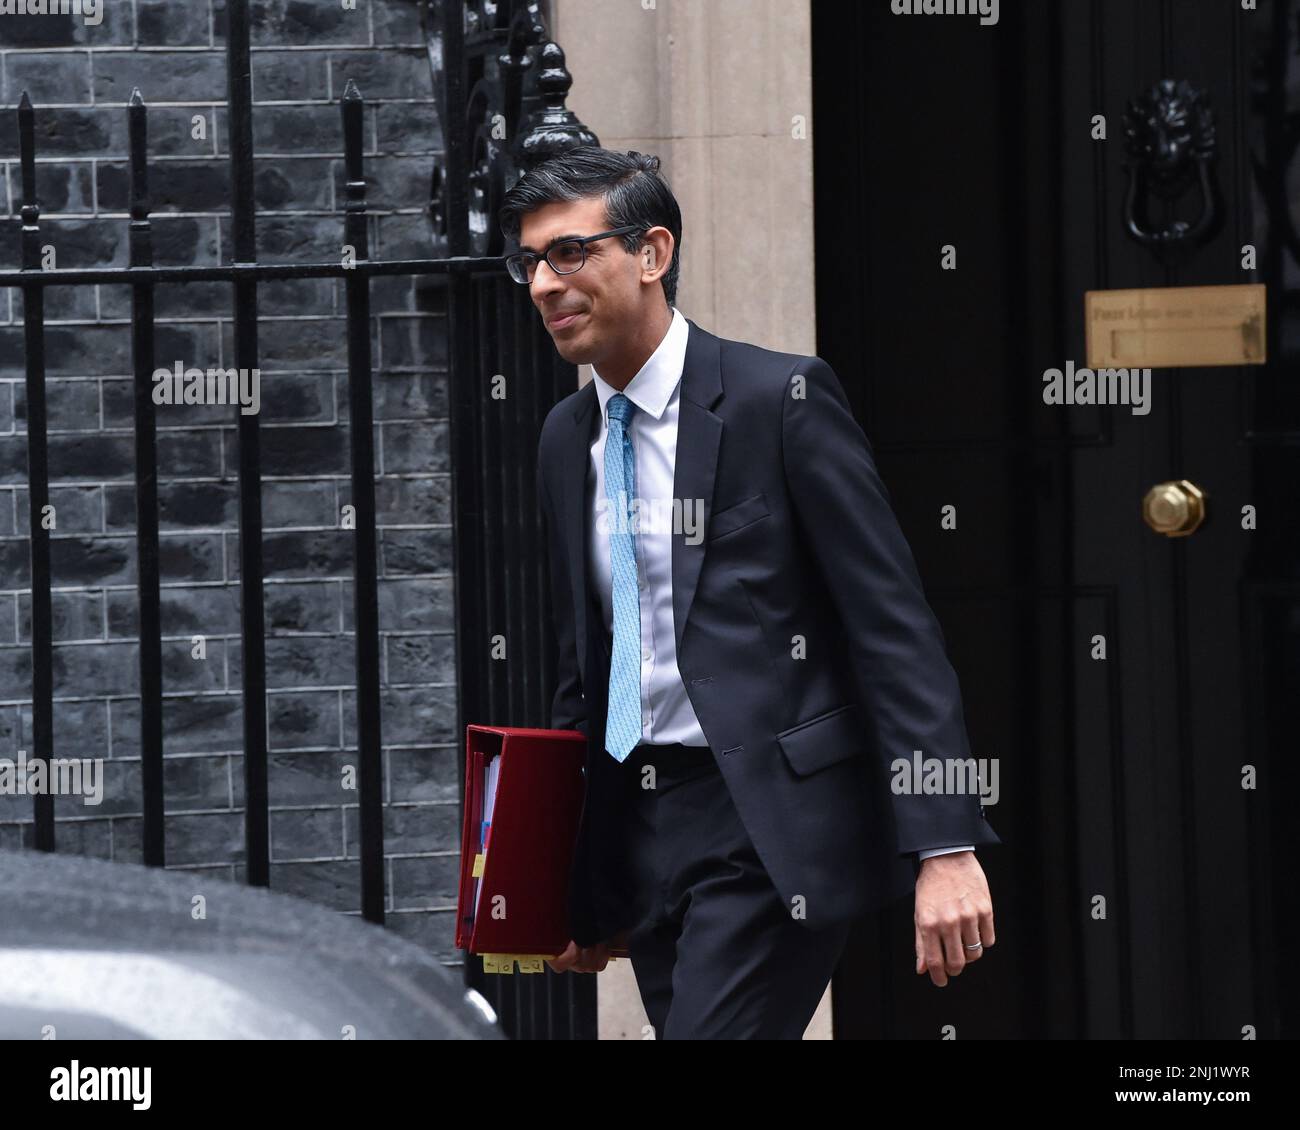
<point>699,435</point>
<point>573,491</point>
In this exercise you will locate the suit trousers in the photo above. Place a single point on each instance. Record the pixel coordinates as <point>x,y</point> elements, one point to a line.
<point>715,950</point>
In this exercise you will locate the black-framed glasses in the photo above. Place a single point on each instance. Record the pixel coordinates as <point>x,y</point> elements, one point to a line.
<point>563,257</point>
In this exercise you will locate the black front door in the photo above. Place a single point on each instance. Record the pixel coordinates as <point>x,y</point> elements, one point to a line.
<point>1134,688</point>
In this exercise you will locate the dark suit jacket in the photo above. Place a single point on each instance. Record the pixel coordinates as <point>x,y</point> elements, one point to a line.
<point>800,543</point>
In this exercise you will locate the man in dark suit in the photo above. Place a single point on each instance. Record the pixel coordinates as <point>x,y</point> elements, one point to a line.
<point>742,634</point>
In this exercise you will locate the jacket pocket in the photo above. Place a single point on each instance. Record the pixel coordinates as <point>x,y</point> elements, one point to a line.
<point>732,518</point>
<point>823,740</point>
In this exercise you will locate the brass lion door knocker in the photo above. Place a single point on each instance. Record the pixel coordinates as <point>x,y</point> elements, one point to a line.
<point>1170,142</point>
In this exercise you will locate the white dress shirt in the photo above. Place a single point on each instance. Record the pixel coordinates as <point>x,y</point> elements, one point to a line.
<point>667,716</point>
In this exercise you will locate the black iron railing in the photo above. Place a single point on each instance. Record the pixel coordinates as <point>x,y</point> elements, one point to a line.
<point>486,51</point>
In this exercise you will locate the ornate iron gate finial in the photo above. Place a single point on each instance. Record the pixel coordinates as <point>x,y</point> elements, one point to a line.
<point>503,87</point>
<point>553,128</point>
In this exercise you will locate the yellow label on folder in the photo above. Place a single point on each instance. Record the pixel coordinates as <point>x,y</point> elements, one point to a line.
<point>505,962</point>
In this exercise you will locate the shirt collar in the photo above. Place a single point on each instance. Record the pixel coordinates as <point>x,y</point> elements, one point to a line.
<point>652,387</point>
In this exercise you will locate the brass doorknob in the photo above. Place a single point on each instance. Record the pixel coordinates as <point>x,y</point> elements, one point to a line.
<point>1174,509</point>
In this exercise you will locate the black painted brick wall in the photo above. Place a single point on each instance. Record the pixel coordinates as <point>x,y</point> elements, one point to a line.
<point>80,77</point>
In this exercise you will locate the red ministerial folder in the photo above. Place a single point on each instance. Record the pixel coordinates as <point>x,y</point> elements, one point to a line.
<point>524,791</point>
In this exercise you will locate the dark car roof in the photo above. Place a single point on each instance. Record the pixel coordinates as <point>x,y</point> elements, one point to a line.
<point>119,950</point>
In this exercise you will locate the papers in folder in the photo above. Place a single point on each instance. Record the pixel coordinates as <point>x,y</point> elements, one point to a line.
<point>490,777</point>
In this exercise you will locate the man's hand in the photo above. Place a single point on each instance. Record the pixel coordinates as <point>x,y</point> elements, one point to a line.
<point>581,959</point>
<point>587,959</point>
<point>953,909</point>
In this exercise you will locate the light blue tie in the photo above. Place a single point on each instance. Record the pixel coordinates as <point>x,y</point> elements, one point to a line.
<point>623,723</point>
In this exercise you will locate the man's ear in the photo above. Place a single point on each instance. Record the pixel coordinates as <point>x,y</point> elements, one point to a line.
<point>650,249</point>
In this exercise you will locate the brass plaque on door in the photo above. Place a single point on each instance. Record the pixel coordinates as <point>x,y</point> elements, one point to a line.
<point>1175,326</point>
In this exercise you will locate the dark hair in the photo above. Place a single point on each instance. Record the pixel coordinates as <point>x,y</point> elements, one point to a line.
<point>633,190</point>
